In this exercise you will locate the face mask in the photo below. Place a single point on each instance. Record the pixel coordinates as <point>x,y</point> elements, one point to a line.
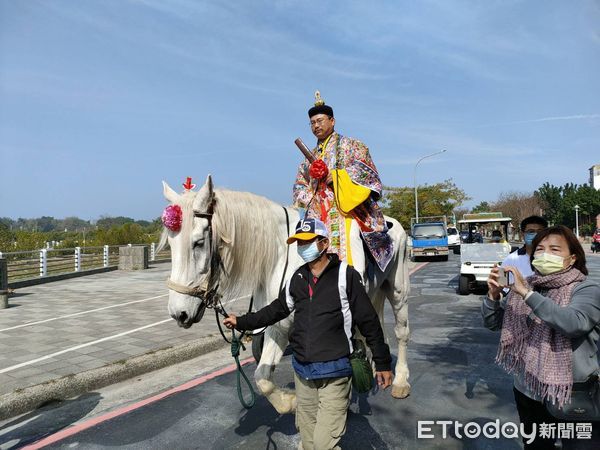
<point>547,263</point>
<point>529,237</point>
<point>309,252</point>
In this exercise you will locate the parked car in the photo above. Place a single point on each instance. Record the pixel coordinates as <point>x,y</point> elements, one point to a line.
<point>453,239</point>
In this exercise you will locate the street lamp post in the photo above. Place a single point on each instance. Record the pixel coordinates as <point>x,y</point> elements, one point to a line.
<point>577,221</point>
<point>415,182</point>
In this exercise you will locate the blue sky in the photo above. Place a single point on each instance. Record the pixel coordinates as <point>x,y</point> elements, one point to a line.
<point>101,100</point>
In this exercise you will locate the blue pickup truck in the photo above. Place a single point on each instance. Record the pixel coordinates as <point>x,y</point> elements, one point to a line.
<point>429,240</point>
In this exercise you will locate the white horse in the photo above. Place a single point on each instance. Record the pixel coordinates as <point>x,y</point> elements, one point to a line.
<point>234,243</point>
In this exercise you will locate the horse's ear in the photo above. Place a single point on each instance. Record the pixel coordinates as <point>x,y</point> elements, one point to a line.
<point>169,193</point>
<point>204,197</point>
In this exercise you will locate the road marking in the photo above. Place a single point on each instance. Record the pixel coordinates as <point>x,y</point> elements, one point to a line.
<point>87,344</point>
<point>77,428</point>
<point>419,267</point>
<point>82,312</point>
<point>77,347</point>
<point>101,309</point>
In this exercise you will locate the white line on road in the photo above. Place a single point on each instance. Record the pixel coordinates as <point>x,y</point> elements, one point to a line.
<point>77,347</point>
<point>81,313</point>
<point>87,344</point>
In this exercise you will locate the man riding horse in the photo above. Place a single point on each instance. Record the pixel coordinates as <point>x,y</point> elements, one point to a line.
<point>340,187</point>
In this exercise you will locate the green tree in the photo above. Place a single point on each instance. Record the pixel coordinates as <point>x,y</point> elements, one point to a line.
<point>481,207</point>
<point>434,200</point>
<point>7,238</point>
<point>551,199</point>
<point>107,222</point>
<point>73,224</point>
<point>129,233</point>
<point>559,204</point>
<point>29,240</point>
<point>46,223</point>
<point>7,222</point>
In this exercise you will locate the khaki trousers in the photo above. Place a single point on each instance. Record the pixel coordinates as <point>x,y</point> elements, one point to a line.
<point>321,410</point>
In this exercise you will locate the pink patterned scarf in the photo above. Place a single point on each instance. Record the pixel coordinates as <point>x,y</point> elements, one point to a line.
<point>540,354</point>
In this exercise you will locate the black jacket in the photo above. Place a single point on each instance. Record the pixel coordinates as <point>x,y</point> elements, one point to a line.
<point>324,324</point>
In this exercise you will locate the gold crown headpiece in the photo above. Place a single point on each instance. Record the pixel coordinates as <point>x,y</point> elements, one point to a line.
<point>318,100</point>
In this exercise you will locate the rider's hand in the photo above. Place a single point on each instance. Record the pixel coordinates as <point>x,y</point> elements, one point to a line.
<point>329,180</point>
<point>494,289</point>
<point>384,378</point>
<point>230,322</point>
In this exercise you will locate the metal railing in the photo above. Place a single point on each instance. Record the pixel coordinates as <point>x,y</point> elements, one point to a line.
<point>26,265</point>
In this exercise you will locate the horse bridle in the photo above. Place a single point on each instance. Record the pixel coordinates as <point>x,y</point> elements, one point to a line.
<point>207,292</point>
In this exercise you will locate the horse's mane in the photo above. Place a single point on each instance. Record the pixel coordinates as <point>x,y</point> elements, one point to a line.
<point>246,225</point>
<point>245,230</point>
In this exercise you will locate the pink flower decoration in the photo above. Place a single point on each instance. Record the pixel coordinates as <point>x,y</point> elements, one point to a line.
<point>172,217</point>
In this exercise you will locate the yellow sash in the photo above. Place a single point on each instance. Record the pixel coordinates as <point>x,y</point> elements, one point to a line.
<point>348,195</point>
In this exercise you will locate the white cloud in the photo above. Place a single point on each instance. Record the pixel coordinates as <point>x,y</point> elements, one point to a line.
<point>587,117</point>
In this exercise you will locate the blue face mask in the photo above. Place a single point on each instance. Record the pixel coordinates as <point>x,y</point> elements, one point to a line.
<point>529,237</point>
<point>309,252</point>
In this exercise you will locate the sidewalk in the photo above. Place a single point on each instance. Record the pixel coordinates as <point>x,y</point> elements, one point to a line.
<point>61,339</point>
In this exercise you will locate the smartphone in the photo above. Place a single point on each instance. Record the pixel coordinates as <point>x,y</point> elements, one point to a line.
<point>502,281</point>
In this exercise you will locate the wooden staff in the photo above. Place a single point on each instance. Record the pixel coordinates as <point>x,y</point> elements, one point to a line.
<point>305,150</point>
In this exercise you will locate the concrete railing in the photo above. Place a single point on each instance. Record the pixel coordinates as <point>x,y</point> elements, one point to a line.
<point>133,257</point>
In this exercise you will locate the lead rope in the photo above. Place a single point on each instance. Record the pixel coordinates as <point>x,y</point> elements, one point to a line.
<point>236,341</point>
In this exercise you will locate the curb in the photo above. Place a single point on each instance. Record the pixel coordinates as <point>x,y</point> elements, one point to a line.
<point>27,399</point>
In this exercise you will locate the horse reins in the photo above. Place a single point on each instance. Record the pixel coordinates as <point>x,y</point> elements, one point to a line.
<point>211,299</point>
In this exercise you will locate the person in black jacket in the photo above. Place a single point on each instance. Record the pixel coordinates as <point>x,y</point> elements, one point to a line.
<point>328,299</point>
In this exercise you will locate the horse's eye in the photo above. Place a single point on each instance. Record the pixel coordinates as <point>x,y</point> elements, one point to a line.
<point>199,243</point>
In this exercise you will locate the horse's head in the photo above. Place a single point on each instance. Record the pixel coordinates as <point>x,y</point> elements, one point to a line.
<point>192,252</point>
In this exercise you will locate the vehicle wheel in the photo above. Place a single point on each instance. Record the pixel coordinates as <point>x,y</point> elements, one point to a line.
<point>456,250</point>
<point>257,346</point>
<point>463,285</point>
<point>444,258</point>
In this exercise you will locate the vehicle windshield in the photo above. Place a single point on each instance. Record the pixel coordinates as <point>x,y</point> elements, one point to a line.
<point>485,252</point>
<point>452,231</point>
<point>429,231</point>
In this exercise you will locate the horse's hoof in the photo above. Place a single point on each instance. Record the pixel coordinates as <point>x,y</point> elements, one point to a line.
<point>285,403</point>
<point>401,391</point>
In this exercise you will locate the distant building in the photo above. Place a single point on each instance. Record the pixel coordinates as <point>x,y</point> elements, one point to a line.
<point>595,176</point>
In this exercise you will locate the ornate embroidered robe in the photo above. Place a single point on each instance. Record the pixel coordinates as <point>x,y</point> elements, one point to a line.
<point>319,200</point>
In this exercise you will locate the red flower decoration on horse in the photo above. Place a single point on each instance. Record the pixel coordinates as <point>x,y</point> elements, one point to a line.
<point>318,170</point>
<point>172,217</point>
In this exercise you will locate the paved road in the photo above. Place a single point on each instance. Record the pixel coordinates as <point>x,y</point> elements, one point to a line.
<point>452,375</point>
<point>85,325</point>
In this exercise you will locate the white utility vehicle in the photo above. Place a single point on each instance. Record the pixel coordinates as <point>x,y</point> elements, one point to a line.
<point>476,258</point>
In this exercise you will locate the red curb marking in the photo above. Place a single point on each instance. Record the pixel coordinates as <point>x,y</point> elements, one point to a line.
<point>419,267</point>
<point>77,428</point>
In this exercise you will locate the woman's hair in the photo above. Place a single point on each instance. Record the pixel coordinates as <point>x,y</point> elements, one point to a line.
<point>575,247</point>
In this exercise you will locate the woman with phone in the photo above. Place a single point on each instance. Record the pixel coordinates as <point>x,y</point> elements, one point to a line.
<point>550,329</point>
